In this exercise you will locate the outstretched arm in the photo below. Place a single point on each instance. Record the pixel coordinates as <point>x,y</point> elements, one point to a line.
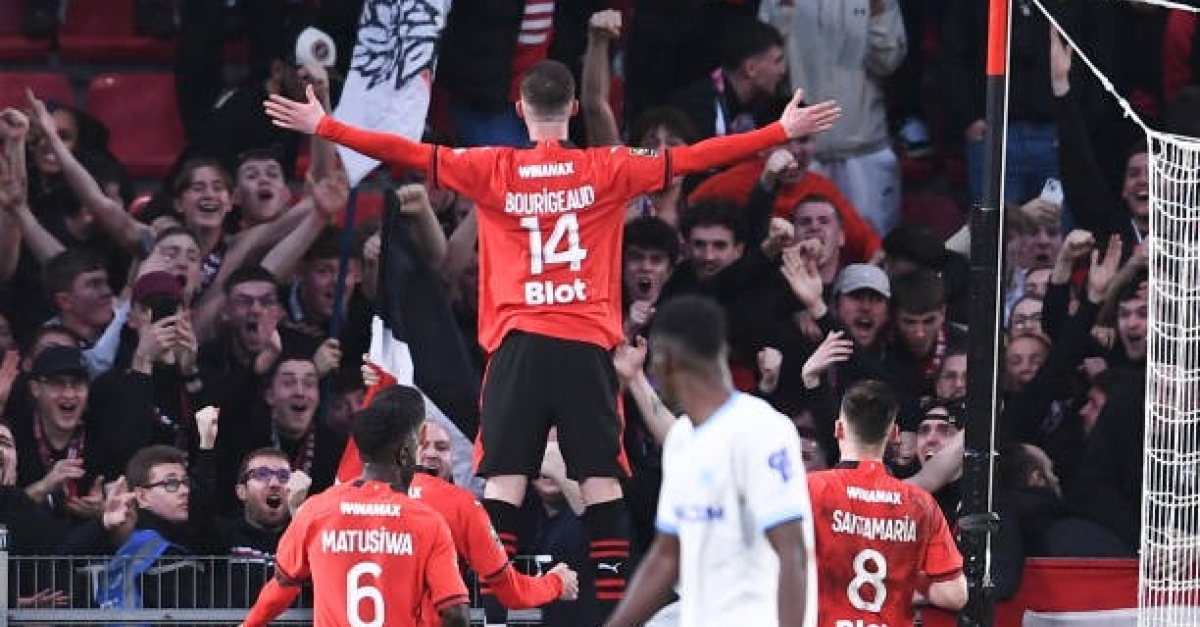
<point>14,127</point>
<point>110,214</point>
<point>518,591</point>
<point>273,599</point>
<point>796,121</point>
<point>309,117</point>
<point>40,242</point>
<point>514,590</point>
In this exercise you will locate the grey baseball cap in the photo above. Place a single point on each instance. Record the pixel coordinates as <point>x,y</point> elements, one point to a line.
<point>862,276</point>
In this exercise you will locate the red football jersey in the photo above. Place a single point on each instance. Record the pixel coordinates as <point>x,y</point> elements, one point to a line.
<point>550,226</point>
<point>470,527</point>
<point>373,555</point>
<point>874,535</point>
<point>551,220</point>
<point>475,541</point>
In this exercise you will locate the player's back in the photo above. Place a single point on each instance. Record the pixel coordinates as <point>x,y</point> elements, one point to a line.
<point>373,553</point>
<point>874,535</point>
<point>550,226</point>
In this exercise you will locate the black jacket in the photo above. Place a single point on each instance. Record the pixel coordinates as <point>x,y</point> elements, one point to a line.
<point>476,50</point>
<point>1109,489</point>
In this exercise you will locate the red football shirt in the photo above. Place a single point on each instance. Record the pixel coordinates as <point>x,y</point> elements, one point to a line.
<point>874,535</point>
<point>469,525</point>
<point>475,541</point>
<point>551,220</point>
<point>736,183</point>
<point>373,555</point>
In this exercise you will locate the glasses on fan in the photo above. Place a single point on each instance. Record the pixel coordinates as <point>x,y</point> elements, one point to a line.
<point>170,485</point>
<point>265,474</point>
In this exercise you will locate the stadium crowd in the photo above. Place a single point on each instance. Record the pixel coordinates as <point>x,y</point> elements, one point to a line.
<point>192,335</point>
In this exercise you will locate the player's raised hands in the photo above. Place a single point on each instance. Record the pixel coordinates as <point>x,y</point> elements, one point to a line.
<point>297,116</point>
<point>570,581</point>
<point>800,121</point>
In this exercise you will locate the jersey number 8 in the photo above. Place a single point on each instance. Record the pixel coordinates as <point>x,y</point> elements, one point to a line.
<point>356,594</point>
<point>870,571</point>
<point>549,252</point>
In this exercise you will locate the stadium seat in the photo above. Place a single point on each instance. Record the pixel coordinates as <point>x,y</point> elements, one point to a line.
<point>139,110</point>
<point>103,31</point>
<point>14,45</point>
<point>48,86</point>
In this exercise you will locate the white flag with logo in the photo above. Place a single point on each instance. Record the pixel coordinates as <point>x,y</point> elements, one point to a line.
<point>391,72</point>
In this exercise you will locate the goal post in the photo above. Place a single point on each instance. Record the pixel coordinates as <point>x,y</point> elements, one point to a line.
<point>977,518</point>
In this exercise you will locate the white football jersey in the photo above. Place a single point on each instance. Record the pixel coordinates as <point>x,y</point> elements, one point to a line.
<point>725,483</point>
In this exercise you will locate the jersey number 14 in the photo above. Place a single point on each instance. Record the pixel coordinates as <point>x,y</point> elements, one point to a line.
<point>554,249</point>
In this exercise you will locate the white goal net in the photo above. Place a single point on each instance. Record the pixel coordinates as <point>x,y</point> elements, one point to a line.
<point>1170,551</point>
<point>1169,582</point>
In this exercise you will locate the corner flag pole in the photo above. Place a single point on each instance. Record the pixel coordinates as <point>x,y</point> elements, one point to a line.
<point>978,521</point>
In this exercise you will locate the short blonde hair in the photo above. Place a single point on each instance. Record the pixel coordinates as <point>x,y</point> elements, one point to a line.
<point>1041,213</point>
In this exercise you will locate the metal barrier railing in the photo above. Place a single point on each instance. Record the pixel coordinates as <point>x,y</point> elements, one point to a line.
<point>208,590</point>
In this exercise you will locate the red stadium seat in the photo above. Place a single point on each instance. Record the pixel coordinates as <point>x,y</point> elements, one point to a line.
<point>48,86</point>
<point>14,45</point>
<point>103,31</point>
<point>139,110</point>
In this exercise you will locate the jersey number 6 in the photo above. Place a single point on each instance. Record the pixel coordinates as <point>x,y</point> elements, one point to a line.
<point>356,594</point>
<point>549,252</point>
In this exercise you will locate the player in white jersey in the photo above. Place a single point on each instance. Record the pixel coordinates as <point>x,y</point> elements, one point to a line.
<point>734,520</point>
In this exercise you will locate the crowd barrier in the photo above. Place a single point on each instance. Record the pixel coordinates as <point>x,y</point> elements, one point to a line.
<point>191,590</point>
